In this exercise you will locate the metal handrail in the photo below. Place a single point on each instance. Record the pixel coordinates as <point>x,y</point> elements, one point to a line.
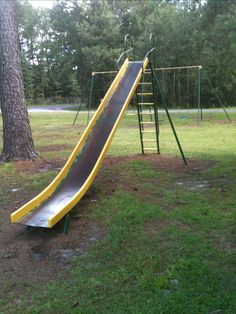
<point>121,56</point>
<point>149,52</point>
<point>151,40</point>
<point>129,41</point>
<point>128,46</point>
<point>152,45</point>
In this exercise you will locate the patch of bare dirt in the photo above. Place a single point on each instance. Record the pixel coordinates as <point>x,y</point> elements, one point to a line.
<point>38,165</point>
<point>112,180</point>
<point>54,148</point>
<point>162,163</point>
<point>225,244</point>
<point>155,226</point>
<point>40,255</point>
<point>165,163</point>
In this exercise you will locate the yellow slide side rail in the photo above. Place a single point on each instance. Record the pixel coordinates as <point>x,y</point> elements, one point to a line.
<point>22,211</point>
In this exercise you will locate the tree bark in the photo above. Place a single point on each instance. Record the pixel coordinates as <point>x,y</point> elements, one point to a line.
<point>17,136</point>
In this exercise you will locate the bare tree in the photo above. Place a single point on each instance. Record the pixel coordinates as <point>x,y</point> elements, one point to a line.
<point>17,136</point>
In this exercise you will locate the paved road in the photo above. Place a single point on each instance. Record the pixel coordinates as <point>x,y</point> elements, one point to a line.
<point>58,108</point>
<point>69,108</point>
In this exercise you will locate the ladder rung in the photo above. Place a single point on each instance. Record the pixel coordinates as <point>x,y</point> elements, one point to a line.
<point>144,94</point>
<point>145,83</point>
<point>149,148</point>
<point>150,112</point>
<point>146,104</point>
<point>146,113</point>
<point>148,131</point>
<point>147,140</point>
<point>148,122</point>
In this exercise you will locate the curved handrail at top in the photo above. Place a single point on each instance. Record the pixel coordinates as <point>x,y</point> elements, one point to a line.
<point>151,40</point>
<point>128,41</point>
<point>149,52</point>
<point>124,53</point>
<point>128,46</point>
<point>152,49</point>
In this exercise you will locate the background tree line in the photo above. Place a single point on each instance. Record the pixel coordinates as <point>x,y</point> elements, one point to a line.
<point>63,45</point>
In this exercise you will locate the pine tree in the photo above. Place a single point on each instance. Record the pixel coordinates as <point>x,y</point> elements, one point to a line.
<point>17,137</point>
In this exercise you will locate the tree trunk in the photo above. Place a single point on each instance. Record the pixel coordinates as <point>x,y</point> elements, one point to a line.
<point>17,137</point>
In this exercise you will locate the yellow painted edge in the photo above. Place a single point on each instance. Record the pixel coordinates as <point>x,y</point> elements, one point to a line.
<point>54,219</point>
<point>22,211</point>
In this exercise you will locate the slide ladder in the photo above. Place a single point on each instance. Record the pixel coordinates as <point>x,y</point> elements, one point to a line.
<point>146,100</point>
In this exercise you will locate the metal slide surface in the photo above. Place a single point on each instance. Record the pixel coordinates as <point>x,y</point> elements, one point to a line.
<point>87,161</point>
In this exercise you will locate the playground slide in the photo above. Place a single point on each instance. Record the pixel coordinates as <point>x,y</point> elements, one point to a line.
<point>72,182</point>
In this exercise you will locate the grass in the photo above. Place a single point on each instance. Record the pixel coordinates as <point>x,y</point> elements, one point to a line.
<point>169,245</point>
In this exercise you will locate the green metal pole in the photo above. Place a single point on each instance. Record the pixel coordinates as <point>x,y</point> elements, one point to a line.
<point>170,120</point>
<point>174,93</point>
<point>139,122</point>
<point>66,224</point>
<point>156,115</point>
<point>199,91</point>
<point>217,96</point>
<point>90,98</point>
<point>77,113</point>
<point>179,91</point>
<point>187,79</point>
<point>200,117</point>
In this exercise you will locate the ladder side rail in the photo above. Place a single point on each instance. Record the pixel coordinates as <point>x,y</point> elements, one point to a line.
<point>156,114</point>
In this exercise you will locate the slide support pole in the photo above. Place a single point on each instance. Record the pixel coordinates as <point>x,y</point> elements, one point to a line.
<point>169,118</point>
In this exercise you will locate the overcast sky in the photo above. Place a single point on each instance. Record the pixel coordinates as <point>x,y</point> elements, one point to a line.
<point>41,3</point>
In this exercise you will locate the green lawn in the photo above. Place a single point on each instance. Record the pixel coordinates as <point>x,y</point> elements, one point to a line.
<point>170,238</point>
